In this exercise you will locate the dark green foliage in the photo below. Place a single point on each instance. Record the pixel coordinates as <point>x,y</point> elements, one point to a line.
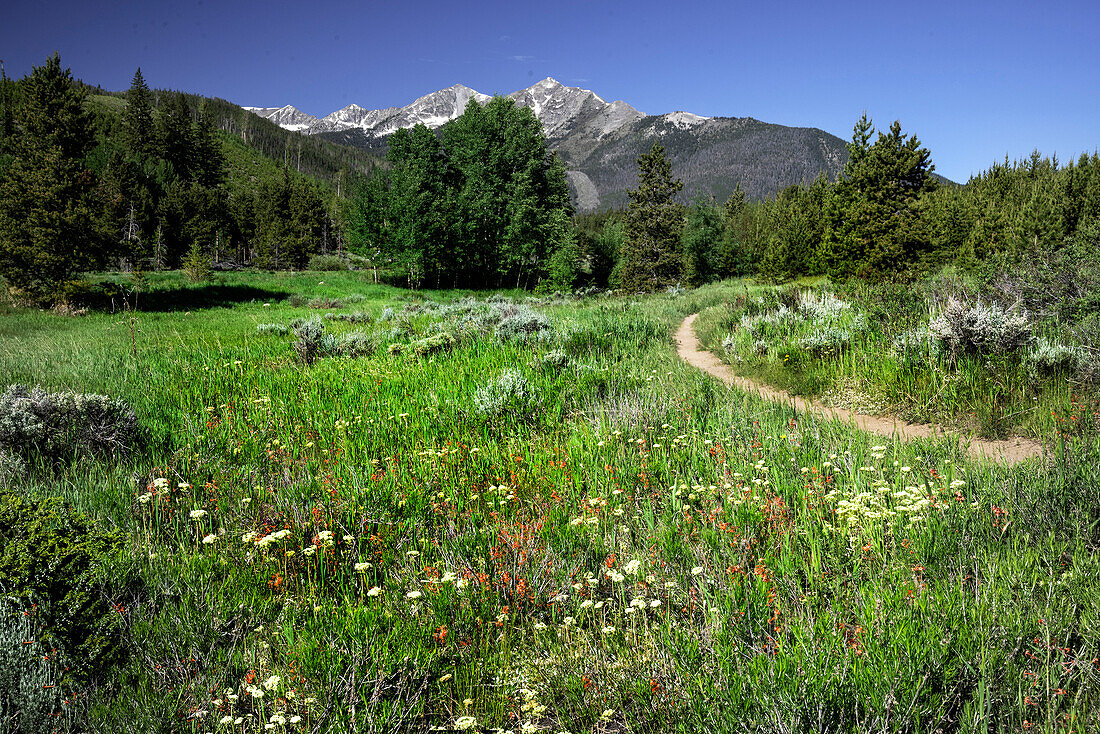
<point>137,118</point>
<point>290,220</point>
<point>486,206</point>
<point>365,220</point>
<point>61,561</point>
<point>196,264</point>
<point>7,116</point>
<point>651,257</point>
<point>46,213</point>
<point>155,172</point>
<point>872,218</point>
<point>60,426</point>
<point>796,231</point>
<point>734,257</point>
<point>420,206</point>
<point>702,243</point>
<point>564,270</point>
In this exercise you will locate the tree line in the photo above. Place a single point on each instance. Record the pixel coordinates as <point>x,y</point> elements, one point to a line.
<point>885,216</point>
<point>84,187</point>
<point>482,202</point>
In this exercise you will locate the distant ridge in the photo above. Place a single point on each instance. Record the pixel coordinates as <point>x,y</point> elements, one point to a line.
<point>600,141</point>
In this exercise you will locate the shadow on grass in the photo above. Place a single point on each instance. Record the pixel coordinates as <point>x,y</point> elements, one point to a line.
<point>183,298</point>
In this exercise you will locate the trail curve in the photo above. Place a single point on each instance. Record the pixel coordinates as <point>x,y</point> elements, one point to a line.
<point>1010,451</point>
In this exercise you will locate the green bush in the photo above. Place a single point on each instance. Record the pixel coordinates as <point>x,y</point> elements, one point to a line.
<point>60,561</point>
<point>434,344</point>
<point>327,263</point>
<point>58,426</point>
<point>555,361</point>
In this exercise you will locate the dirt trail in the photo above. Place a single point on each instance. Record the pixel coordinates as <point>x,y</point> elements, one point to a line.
<point>1011,451</point>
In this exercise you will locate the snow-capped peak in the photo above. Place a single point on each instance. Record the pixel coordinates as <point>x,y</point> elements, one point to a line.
<point>287,117</point>
<point>685,120</point>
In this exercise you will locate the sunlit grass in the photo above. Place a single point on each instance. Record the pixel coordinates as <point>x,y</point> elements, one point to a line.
<point>354,545</point>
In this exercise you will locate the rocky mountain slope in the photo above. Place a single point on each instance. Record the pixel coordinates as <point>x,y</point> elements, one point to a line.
<point>600,141</point>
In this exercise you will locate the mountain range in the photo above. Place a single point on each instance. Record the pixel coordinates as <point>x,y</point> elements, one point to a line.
<point>600,141</point>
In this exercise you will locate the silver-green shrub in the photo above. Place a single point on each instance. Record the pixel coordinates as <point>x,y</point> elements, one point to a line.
<point>555,361</point>
<point>1047,357</point>
<point>825,340</point>
<point>821,307</point>
<point>310,343</point>
<point>916,344</point>
<point>507,393</point>
<point>522,323</point>
<point>273,329</point>
<point>981,328</point>
<point>355,317</point>
<point>62,424</point>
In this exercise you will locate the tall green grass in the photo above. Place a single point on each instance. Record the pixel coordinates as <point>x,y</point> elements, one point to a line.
<point>645,550</point>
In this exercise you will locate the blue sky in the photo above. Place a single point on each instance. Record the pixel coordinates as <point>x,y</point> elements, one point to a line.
<point>975,81</point>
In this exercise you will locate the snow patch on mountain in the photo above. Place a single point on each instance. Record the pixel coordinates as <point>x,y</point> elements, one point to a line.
<point>685,120</point>
<point>287,117</point>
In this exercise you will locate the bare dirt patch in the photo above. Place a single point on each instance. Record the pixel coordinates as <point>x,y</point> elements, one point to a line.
<point>1010,451</point>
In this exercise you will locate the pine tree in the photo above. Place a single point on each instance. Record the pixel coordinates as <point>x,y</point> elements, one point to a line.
<point>651,257</point>
<point>872,218</point>
<point>46,220</point>
<point>175,139</point>
<point>207,158</point>
<point>7,114</point>
<point>137,118</point>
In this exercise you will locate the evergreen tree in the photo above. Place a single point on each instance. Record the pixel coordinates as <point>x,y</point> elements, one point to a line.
<point>207,159</point>
<point>137,119</point>
<point>46,217</point>
<point>651,257</point>
<point>738,225</point>
<point>796,232</point>
<point>175,142</point>
<point>7,114</point>
<point>872,221</point>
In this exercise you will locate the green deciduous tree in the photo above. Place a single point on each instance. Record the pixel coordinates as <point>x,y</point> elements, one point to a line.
<point>487,205</point>
<point>420,207</point>
<point>46,213</point>
<point>651,257</point>
<point>702,243</point>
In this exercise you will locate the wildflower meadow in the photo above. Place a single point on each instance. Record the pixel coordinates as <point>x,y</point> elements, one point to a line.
<point>340,506</point>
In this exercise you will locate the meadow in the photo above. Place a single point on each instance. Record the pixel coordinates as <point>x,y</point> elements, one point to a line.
<point>358,508</point>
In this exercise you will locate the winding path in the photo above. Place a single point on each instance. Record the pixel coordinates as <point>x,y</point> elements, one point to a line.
<point>1011,451</point>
